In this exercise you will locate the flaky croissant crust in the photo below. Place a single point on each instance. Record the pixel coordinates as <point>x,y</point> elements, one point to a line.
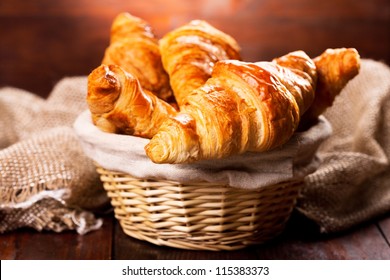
<point>242,107</point>
<point>118,103</point>
<point>335,68</point>
<point>134,47</point>
<point>190,52</point>
<point>252,106</point>
<point>227,106</point>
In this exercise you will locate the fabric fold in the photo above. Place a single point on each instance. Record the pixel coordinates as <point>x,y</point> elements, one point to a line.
<point>352,183</point>
<point>46,181</point>
<point>124,153</point>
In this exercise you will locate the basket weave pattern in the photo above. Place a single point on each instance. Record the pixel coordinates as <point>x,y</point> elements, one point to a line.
<point>198,216</point>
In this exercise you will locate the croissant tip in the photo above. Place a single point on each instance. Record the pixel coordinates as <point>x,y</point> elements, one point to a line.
<point>157,153</point>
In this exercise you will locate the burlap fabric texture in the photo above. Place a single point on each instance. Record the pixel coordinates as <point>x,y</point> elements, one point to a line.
<point>352,184</point>
<point>46,182</point>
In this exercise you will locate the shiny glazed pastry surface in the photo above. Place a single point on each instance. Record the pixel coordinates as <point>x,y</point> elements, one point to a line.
<point>134,47</point>
<point>118,103</point>
<point>242,107</point>
<point>335,68</point>
<point>253,106</point>
<point>225,106</point>
<point>190,52</point>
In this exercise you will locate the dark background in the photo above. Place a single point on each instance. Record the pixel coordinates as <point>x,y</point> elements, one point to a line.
<point>42,41</point>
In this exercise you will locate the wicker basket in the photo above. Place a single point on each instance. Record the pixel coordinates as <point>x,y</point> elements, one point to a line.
<point>198,216</point>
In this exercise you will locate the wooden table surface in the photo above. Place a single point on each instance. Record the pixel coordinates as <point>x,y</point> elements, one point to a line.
<point>300,241</point>
<point>43,41</point>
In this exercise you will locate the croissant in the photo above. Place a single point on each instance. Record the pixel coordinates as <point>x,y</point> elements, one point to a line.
<point>335,68</point>
<point>118,104</point>
<point>190,52</point>
<point>242,107</point>
<point>134,47</point>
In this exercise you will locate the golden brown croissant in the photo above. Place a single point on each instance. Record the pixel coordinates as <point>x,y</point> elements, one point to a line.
<point>335,68</point>
<point>242,107</point>
<point>190,52</point>
<point>118,103</point>
<point>134,47</point>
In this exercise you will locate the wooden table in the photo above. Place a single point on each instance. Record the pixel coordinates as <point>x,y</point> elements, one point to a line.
<point>42,41</point>
<point>300,241</point>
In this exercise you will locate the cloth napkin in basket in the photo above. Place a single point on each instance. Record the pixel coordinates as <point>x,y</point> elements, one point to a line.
<point>126,154</point>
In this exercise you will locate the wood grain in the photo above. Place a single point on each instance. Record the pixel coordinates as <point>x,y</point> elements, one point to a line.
<point>384,226</point>
<point>302,241</point>
<point>28,244</point>
<point>42,41</point>
<point>129,248</point>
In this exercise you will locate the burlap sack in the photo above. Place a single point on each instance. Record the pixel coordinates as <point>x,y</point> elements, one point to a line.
<point>352,184</point>
<point>46,182</point>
